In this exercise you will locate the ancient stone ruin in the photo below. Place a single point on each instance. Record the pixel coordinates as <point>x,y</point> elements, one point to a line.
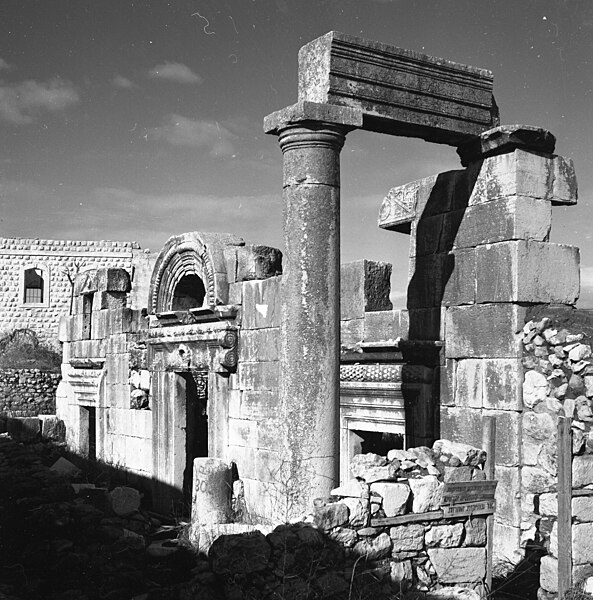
<point>289,367</point>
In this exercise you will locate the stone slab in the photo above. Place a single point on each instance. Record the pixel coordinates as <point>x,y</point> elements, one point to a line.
<point>385,325</point>
<point>261,303</point>
<point>260,345</point>
<point>257,262</point>
<point>458,565</point>
<point>460,287</point>
<point>364,287</point>
<point>504,139</point>
<point>503,384</point>
<point>487,330</point>
<point>469,384</point>
<point>528,271</point>
<point>399,92</point>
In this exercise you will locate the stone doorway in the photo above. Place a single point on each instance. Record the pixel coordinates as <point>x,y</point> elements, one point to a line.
<point>88,432</point>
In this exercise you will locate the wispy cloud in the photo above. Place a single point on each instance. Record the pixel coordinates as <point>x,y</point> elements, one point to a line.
<point>21,102</point>
<point>194,133</point>
<point>174,71</point>
<point>122,82</point>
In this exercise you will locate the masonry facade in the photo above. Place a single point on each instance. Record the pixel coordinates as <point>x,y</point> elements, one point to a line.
<point>37,278</point>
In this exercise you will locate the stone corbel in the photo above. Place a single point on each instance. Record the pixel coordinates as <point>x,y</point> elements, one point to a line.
<point>228,354</point>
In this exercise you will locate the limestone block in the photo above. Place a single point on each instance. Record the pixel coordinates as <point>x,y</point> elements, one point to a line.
<point>23,429</point>
<point>527,271</point>
<point>522,173</point>
<point>351,332</point>
<point>536,480</point>
<point>548,575</point>
<point>258,262</point>
<point>124,501</point>
<point>508,495</point>
<point>475,532</point>
<point>113,280</point>
<point>508,436</point>
<point>385,325</point>
<point>469,383</point>
<point>460,288</point>
<point>358,511</point>
<point>353,488</point>
<point>506,546</point>
<point>582,470</point>
<point>462,425</point>
<point>434,234</point>
<point>582,543</point>
<point>487,331</point>
<point>364,287</point>
<point>444,536</point>
<point>258,375</point>
<point>109,300</point>
<point>65,329</point>
<point>427,493</point>
<point>582,509</point>
<point>99,325</point>
<point>235,294</point>
<point>261,303</point>
<point>466,455</point>
<point>548,504</point>
<point>426,324</point>
<point>331,515</point>
<point>211,491</point>
<point>242,432</point>
<point>260,345</point>
<point>394,497</point>
<point>52,428</point>
<point>259,405</point>
<point>503,384</point>
<point>512,218</point>
<point>270,468</point>
<point>446,376</point>
<point>401,574</point>
<point>428,278</point>
<point>267,435</point>
<point>458,565</point>
<point>373,549</point>
<point>407,538</point>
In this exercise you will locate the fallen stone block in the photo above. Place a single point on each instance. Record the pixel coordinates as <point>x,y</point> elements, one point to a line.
<point>64,467</point>
<point>394,497</point>
<point>52,428</point>
<point>239,554</point>
<point>427,493</point>
<point>23,429</point>
<point>124,500</point>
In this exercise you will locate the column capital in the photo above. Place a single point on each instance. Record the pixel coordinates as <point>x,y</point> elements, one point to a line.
<point>312,134</point>
<point>313,115</point>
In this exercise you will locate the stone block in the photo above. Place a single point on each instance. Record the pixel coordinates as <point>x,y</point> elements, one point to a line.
<point>23,429</point>
<point>65,329</point>
<point>462,425</point>
<point>508,436</point>
<point>259,375</point>
<point>394,497</point>
<point>487,331</point>
<point>407,538</point>
<point>428,278</point>
<point>260,345</point>
<point>236,294</point>
<point>242,432</point>
<point>475,532</point>
<point>427,493</point>
<point>508,495</point>
<point>582,470</point>
<point>99,325</point>
<point>261,303</point>
<point>469,383</point>
<point>390,86</point>
<point>259,404</point>
<point>548,574</point>
<point>364,287</point>
<point>582,509</point>
<point>435,234</point>
<point>506,547</point>
<point>522,173</point>
<point>511,218</point>
<point>267,435</point>
<point>582,543</point>
<point>536,480</point>
<point>426,324</point>
<point>52,428</point>
<point>503,384</point>
<point>385,325</point>
<point>109,300</point>
<point>460,287</point>
<point>458,565</point>
<point>444,536</point>
<point>245,459</point>
<point>352,331</point>
<point>269,467</point>
<point>527,271</point>
<point>113,280</point>
<point>258,262</point>
<point>446,376</point>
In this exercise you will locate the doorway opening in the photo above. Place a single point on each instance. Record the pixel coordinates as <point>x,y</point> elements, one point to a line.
<point>88,432</point>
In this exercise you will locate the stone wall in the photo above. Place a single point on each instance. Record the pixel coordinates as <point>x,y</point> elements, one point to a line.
<point>56,259</point>
<point>558,379</point>
<point>28,392</point>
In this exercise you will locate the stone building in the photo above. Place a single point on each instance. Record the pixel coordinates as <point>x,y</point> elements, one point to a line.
<point>37,278</point>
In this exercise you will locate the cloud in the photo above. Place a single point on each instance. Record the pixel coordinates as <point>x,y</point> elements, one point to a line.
<point>122,82</point>
<point>209,135</point>
<point>4,65</point>
<point>177,72</point>
<point>21,102</point>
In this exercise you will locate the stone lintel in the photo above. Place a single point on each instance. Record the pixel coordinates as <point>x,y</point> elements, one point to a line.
<point>305,111</point>
<point>506,138</point>
<point>400,92</point>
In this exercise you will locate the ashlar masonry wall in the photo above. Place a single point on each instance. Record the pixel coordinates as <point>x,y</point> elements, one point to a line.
<point>54,260</point>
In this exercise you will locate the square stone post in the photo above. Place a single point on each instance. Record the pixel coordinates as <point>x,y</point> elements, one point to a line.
<point>311,137</point>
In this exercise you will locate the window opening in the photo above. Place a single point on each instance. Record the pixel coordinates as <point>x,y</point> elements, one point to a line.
<point>189,293</point>
<point>34,286</point>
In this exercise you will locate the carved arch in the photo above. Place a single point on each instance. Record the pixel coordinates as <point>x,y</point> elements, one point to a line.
<point>194,253</point>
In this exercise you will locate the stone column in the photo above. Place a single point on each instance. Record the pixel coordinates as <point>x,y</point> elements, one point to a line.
<point>310,328</point>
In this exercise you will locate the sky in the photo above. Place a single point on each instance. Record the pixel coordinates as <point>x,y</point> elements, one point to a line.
<point>137,120</point>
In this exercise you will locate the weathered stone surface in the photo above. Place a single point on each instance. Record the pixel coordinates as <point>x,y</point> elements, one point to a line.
<point>582,543</point>
<point>582,509</point>
<point>548,578</point>
<point>527,271</point>
<point>260,345</point>
<point>361,462</point>
<point>548,504</point>
<point>427,494</point>
<point>467,455</point>
<point>504,139</point>
<point>475,532</point>
<point>239,554</point>
<point>461,424</point>
<point>458,565</point>
<point>124,501</point>
<point>364,287</point>
<point>23,429</point>
<point>261,303</point>
<point>65,468</point>
<point>444,536</point>
<point>582,470</point>
<point>394,497</point>
<point>460,287</point>
<point>407,538</point>
<point>358,511</point>
<point>520,173</point>
<point>469,383</point>
<point>507,546</point>
<point>452,593</point>
<point>401,574</point>
<point>351,332</point>
<point>508,499</point>
<point>353,488</point>
<point>535,388</point>
<point>385,325</point>
<point>508,434</point>
<point>505,219</point>
<point>486,331</point>
<point>503,384</point>
<point>343,535</point>
<point>331,515</point>
<point>374,549</point>
<point>388,83</point>
<point>211,494</point>
<point>536,480</point>
<point>428,278</point>
<point>257,262</point>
